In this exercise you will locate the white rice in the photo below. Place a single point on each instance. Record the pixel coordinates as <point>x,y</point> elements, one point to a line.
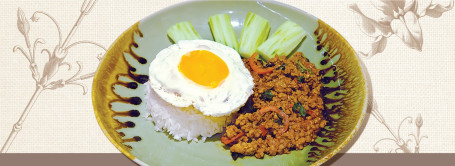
<point>181,122</point>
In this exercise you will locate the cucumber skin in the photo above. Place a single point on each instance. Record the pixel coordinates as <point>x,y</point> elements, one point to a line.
<point>285,39</point>
<point>182,31</point>
<point>255,31</point>
<point>222,30</point>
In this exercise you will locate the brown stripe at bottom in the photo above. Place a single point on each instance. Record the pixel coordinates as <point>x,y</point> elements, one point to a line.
<point>66,159</point>
<point>118,159</point>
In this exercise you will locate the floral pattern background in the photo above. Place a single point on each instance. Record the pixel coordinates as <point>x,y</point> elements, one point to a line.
<point>407,46</point>
<point>56,59</point>
<point>399,18</point>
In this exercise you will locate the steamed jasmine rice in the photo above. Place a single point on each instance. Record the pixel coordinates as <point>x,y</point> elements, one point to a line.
<point>182,122</point>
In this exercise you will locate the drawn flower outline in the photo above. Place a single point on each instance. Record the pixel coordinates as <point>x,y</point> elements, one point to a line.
<point>397,17</point>
<point>56,59</point>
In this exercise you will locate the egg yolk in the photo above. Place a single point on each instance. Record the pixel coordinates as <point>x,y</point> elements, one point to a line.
<point>204,68</point>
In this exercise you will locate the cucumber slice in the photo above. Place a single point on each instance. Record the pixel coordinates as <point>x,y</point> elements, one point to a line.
<point>222,30</point>
<point>182,31</point>
<point>285,39</point>
<point>255,31</point>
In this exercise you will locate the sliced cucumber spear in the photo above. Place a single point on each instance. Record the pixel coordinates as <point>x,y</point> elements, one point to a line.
<point>222,30</point>
<point>255,31</point>
<point>285,39</point>
<point>182,31</point>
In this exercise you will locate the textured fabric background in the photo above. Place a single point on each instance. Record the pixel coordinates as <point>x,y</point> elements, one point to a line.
<point>406,82</point>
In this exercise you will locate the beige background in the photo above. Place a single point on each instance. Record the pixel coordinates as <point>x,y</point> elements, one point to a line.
<point>405,82</point>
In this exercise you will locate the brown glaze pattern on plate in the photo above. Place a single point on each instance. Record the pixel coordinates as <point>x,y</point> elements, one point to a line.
<point>119,90</point>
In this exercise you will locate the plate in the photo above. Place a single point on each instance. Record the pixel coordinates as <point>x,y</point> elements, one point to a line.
<point>118,88</point>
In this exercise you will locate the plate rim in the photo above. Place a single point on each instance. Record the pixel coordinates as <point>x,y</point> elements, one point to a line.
<point>367,82</point>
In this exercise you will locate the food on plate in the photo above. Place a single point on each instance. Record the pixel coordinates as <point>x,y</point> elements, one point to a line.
<point>182,31</point>
<point>255,31</point>
<point>194,86</point>
<point>222,30</point>
<point>283,41</point>
<point>267,103</point>
<point>283,114</point>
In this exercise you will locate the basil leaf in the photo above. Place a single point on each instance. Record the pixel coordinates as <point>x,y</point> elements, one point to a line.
<point>298,107</point>
<point>300,79</point>
<point>267,95</point>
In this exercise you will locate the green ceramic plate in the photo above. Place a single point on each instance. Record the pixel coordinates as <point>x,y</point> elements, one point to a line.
<point>118,88</point>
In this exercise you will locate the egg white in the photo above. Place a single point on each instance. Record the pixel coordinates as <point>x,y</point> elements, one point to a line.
<point>172,86</point>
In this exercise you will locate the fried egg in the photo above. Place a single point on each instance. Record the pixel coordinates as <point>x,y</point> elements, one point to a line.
<point>206,75</point>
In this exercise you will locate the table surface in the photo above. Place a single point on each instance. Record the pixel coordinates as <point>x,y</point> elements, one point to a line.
<point>412,73</point>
